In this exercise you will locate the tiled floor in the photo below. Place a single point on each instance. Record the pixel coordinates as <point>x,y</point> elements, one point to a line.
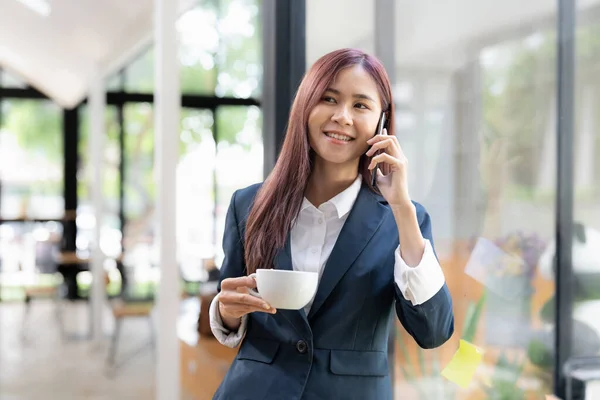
<point>42,367</point>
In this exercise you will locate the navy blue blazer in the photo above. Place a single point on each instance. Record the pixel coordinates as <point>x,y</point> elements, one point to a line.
<point>340,349</point>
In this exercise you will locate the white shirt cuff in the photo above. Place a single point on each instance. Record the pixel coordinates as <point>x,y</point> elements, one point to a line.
<point>419,284</point>
<point>222,334</point>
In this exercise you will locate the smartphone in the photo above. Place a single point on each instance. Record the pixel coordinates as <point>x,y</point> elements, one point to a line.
<point>379,131</point>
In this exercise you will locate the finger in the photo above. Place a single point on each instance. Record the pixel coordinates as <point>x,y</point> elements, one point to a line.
<point>385,158</point>
<point>234,283</point>
<point>231,297</point>
<point>389,145</point>
<point>242,309</point>
<point>379,138</point>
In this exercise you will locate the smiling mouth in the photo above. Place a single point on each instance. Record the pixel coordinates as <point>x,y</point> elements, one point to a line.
<point>337,136</point>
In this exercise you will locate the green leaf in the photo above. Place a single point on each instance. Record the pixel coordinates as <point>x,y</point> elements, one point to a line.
<point>474,313</point>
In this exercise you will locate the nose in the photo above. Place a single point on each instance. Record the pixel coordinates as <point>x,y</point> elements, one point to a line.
<point>342,116</point>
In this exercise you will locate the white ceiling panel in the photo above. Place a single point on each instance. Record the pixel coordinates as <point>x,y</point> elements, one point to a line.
<point>60,53</point>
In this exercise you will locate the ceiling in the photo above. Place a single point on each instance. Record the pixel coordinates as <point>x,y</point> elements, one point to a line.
<point>60,53</point>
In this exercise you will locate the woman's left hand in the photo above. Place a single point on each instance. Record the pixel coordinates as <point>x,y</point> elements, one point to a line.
<point>392,174</point>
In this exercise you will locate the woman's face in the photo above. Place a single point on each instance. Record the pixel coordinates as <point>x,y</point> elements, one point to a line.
<point>345,117</point>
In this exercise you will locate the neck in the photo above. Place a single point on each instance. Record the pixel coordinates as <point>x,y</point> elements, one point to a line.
<point>328,180</point>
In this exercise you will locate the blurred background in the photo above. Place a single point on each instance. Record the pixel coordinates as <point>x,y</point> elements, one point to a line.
<point>483,97</point>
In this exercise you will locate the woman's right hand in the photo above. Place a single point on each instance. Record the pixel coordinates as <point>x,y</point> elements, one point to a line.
<point>235,301</point>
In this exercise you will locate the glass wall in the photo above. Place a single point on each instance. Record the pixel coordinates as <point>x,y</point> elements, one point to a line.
<point>239,160</point>
<point>475,95</point>
<point>31,189</point>
<point>110,233</point>
<point>220,59</point>
<point>31,159</point>
<point>220,56</point>
<point>139,200</point>
<point>477,119</point>
<point>586,207</point>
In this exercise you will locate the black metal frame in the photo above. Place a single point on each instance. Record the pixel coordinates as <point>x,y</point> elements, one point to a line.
<point>71,161</point>
<point>564,193</point>
<point>122,133</point>
<point>284,64</point>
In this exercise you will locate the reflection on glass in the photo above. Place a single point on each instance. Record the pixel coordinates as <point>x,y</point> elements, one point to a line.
<point>31,159</point>
<point>110,235</point>
<point>586,208</point>
<point>239,156</point>
<point>476,119</point>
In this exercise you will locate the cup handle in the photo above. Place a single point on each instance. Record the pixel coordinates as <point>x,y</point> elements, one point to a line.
<point>252,291</point>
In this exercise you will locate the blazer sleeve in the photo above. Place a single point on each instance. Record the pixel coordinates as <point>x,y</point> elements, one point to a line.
<point>233,266</point>
<point>430,323</point>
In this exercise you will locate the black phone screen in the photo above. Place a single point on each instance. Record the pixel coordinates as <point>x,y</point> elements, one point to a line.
<point>379,131</point>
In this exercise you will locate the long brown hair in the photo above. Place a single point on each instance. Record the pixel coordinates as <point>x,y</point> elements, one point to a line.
<point>279,199</point>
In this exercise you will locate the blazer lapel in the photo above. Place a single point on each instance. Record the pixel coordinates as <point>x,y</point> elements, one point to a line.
<point>366,216</point>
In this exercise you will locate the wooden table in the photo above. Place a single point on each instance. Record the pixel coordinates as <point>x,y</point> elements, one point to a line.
<point>204,361</point>
<point>70,264</point>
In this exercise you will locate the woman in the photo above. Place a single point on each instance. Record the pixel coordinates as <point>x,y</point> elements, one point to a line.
<point>317,211</point>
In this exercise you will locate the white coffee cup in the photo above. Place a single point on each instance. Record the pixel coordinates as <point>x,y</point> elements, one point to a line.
<point>283,289</point>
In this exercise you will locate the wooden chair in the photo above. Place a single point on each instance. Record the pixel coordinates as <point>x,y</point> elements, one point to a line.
<point>50,288</point>
<point>43,292</point>
<point>123,308</point>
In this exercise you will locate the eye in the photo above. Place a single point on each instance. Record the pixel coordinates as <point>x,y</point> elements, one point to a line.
<point>328,99</point>
<point>361,106</point>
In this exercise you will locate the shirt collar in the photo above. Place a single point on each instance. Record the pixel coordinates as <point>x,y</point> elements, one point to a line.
<point>342,202</point>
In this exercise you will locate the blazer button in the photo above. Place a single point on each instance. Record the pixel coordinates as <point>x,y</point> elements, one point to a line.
<point>301,346</point>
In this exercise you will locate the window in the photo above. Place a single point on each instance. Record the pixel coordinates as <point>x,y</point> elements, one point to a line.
<point>110,234</point>
<point>31,138</point>
<point>239,160</point>
<point>219,52</point>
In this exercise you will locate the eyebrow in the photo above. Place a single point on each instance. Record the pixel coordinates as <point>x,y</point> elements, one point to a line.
<point>356,95</point>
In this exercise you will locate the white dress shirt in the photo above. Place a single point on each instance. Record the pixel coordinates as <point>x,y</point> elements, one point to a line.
<point>312,238</point>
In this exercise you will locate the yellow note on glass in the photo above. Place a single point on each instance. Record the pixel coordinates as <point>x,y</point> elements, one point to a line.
<point>461,368</point>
